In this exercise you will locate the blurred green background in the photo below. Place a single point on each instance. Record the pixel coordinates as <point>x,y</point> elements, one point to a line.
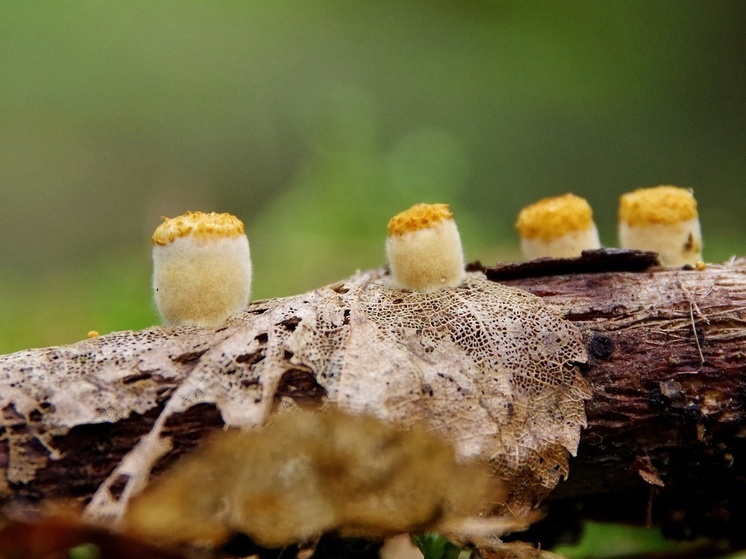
<point>315,122</point>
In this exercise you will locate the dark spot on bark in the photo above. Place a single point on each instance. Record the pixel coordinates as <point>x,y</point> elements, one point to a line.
<point>117,488</point>
<point>187,429</point>
<point>692,412</point>
<point>262,338</point>
<point>291,323</point>
<point>189,357</point>
<point>346,316</point>
<point>131,379</point>
<point>601,347</point>
<point>656,400</point>
<point>288,355</point>
<point>256,311</point>
<point>427,390</point>
<point>163,394</point>
<point>301,386</point>
<point>250,358</point>
<point>581,366</point>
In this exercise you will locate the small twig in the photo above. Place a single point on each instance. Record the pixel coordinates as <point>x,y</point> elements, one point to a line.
<point>692,307</point>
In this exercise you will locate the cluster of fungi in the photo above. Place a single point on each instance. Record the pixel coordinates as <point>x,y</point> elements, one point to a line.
<point>202,265</point>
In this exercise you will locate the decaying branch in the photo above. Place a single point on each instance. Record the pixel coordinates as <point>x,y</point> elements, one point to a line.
<point>665,361</point>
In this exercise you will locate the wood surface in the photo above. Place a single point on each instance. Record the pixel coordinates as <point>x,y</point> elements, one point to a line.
<point>666,422</point>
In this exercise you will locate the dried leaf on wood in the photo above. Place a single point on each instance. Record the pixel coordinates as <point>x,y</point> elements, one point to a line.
<point>486,366</point>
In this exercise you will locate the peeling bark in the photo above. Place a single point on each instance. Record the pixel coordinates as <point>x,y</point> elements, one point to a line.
<point>665,438</point>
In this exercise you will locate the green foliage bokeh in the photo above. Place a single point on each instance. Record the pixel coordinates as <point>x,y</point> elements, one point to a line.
<point>315,122</point>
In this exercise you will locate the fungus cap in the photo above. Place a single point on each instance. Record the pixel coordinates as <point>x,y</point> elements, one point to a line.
<point>663,219</point>
<point>664,204</point>
<point>424,248</point>
<point>199,225</point>
<point>558,227</point>
<point>201,269</point>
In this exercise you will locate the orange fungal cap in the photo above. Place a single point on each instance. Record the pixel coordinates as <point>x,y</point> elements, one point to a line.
<point>663,204</point>
<point>553,217</point>
<point>198,224</point>
<point>419,216</point>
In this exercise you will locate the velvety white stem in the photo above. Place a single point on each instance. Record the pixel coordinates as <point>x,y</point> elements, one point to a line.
<point>677,244</point>
<point>201,281</point>
<point>427,259</point>
<point>566,246</point>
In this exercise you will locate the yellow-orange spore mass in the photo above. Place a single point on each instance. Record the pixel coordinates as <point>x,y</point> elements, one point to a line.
<point>198,224</point>
<point>553,217</point>
<point>419,216</point>
<point>663,204</point>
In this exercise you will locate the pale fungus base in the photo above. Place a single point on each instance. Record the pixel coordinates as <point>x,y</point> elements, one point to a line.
<point>201,281</point>
<point>663,219</point>
<point>677,244</point>
<point>567,246</point>
<point>424,249</point>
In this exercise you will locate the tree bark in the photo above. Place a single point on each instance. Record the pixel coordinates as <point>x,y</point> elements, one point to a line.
<point>666,422</point>
<point>665,439</point>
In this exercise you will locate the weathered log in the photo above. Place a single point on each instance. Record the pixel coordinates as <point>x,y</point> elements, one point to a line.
<point>664,443</point>
<point>665,439</point>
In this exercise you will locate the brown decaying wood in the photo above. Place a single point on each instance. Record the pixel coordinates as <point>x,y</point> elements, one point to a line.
<point>666,424</point>
<point>665,437</point>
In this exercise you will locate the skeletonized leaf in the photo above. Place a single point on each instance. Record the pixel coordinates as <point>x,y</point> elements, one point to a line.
<point>487,367</point>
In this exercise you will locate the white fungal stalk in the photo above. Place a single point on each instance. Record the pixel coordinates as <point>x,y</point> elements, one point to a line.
<point>662,219</point>
<point>424,248</point>
<point>557,227</point>
<point>201,269</point>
